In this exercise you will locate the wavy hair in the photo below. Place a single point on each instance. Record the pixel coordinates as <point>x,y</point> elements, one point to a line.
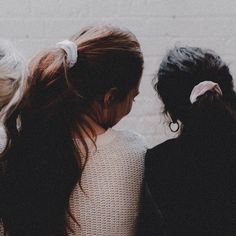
<point>13,73</point>
<point>44,158</point>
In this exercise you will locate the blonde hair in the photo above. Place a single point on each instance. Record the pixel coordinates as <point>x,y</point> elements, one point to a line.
<point>12,78</point>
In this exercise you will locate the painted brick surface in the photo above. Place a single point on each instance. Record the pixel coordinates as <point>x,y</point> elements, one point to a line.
<point>158,24</point>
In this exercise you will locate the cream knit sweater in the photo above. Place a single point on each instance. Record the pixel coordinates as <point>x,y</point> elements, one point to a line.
<point>111,181</point>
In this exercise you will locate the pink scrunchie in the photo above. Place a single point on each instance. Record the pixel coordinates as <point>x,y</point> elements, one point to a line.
<point>202,88</point>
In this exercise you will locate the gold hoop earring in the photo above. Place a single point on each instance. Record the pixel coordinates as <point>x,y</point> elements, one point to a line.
<point>174,126</point>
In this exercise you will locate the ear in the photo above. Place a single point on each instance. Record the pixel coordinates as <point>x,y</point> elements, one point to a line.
<point>110,97</point>
<point>172,117</point>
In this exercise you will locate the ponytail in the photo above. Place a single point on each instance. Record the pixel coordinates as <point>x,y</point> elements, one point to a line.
<point>43,161</point>
<point>210,117</point>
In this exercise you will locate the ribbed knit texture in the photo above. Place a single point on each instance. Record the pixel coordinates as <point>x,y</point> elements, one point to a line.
<point>111,182</point>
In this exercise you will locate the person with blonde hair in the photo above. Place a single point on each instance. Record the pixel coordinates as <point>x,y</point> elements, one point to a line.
<point>68,171</point>
<point>12,81</point>
<point>13,74</point>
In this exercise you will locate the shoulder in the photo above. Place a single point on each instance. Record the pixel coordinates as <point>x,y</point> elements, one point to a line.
<point>130,136</point>
<point>165,148</point>
<point>130,140</point>
<point>161,158</point>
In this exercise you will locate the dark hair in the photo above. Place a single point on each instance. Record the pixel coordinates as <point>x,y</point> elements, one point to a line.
<point>181,70</point>
<point>44,161</point>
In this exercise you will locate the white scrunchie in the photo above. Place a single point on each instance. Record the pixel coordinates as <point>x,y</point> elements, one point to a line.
<point>202,88</point>
<point>71,51</point>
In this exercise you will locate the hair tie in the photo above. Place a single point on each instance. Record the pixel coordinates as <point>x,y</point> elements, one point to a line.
<point>202,88</point>
<point>71,51</point>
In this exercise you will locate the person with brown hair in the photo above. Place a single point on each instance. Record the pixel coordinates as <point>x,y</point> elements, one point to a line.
<point>68,172</point>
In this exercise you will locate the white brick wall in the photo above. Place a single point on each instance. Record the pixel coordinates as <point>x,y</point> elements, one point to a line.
<point>158,24</point>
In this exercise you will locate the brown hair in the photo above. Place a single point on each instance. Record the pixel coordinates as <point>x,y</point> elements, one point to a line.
<point>44,162</point>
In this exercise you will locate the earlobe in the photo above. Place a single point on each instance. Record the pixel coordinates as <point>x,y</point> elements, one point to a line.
<point>172,117</point>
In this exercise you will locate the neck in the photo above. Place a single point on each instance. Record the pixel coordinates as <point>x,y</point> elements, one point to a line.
<point>97,129</point>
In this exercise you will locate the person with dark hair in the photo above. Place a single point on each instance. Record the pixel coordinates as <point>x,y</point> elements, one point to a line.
<point>191,179</point>
<point>67,171</point>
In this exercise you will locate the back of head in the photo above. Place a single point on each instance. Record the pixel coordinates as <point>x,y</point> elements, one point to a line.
<point>53,113</point>
<point>12,76</point>
<point>196,88</point>
<point>212,113</point>
<point>108,58</point>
